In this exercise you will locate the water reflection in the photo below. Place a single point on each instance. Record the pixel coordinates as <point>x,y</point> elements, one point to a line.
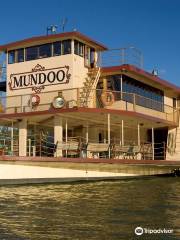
<point>96,210</point>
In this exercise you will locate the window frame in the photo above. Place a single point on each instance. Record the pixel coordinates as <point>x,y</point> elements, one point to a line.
<point>43,45</point>
<point>63,48</point>
<point>29,55</point>
<point>17,56</point>
<point>146,96</point>
<point>12,51</point>
<point>31,48</point>
<point>54,55</point>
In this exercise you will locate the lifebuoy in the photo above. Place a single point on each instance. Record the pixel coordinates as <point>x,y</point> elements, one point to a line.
<point>107,98</point>
<point>35,100</point>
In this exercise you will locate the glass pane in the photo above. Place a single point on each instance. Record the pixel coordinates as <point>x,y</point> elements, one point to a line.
<point>45,50</point>
<point>56,48</point>
<point>66,47</point>
<point>11,57</point>
<point>20,55</point>
<point>87,56</point>
<point>76,47</point>
<point>146,96</point>
<point>31,53</point>
<point>81,49</point>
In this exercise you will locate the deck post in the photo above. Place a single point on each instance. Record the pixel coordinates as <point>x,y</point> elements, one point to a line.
<point>72,46</point>
<point>134,102</point>
<point>23,138</point>
<point>139,136</point>
<point>58,134</point>
<point>78,98</point>
<point>109,133</point>
<point>35,140</point>
<point>104,84</point>
<point>66,135</point>
<point>152,143</point>
<point>29,147</point>
<point>87,133</point>
<point>121,87</point>
<point>122,132</point>
<point>12,138</point>
<point>104,134</point>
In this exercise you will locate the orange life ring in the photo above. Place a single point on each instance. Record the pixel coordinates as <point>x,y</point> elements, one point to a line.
<point>35,100</point>
<point>107,98</point>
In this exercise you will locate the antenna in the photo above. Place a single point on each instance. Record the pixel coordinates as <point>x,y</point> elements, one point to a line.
<point>52,29</point>
<point>63,23</point>
<point>155,72</point>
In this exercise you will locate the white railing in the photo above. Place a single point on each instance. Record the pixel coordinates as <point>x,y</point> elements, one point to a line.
<point>121,101</point>
<point>115,57</point>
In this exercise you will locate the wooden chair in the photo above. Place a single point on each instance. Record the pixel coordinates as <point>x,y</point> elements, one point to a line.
<point>95,149</point>
<point>137,154</point>
<point>119,151</point>
<point>69,148</point>
<point>146,151</point>
<point>126,152</point>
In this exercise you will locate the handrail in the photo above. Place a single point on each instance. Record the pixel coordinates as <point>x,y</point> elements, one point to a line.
<point>93,89</point>
<point>96,78</point>
<point>123,55</point>
<point>20,103</point>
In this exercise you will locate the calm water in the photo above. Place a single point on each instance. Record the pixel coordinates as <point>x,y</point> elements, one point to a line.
<point>94,210</point>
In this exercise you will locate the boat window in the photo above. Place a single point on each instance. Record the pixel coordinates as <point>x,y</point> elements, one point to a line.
<point>66,47</point>
<point>76,47</point>
<point>20,55</point>
<point>92,57</point>
<point>45,50</point>
<point>31,53</point>
<point>146,95</point>
<point>41,51</point>
<point>56,48</point>
<point>11,57</point>
<point>79,48</point>
<point>87,56</point>
<point>174,103</point>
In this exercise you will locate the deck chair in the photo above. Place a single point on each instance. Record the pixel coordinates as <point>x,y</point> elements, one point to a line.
<point>69,148</point>
<point>96,150</point>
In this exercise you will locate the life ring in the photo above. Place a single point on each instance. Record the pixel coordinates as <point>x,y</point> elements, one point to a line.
<point>107,98</point>
<point>35,100</point>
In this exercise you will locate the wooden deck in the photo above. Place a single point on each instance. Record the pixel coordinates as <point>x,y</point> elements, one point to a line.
<point>91,160</point>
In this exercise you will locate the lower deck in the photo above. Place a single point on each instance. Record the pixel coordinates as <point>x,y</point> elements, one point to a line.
<point>84,134</point>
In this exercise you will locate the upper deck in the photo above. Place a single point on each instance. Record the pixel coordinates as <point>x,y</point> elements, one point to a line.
<point>82,73</point>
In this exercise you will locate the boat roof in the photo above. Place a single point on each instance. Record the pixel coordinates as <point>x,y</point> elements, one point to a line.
<point>53,37</point>
<point>125,68</point>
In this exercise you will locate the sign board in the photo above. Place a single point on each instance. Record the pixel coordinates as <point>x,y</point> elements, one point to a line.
<point>39,77</point>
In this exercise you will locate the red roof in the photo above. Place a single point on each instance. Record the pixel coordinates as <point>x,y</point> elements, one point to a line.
<point>131,68</point>
<point>33,40</point>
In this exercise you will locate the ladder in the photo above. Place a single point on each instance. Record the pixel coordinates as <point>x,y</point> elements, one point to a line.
<point>88,90</point>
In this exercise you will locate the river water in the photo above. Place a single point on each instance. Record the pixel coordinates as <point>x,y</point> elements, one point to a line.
<point>93,210</point>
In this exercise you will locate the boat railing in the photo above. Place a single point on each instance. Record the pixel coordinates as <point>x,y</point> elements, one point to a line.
<point>99,99</point>
<point>125,55</point>
<point>81,148</point>
<point>42,144</point>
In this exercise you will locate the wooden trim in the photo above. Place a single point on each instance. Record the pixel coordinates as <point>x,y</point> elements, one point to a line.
<point>131,68</point>
<point>34,40</point>
<point>90,160</point>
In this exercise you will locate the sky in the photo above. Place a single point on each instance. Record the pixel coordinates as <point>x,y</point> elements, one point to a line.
<point>153,26</point>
